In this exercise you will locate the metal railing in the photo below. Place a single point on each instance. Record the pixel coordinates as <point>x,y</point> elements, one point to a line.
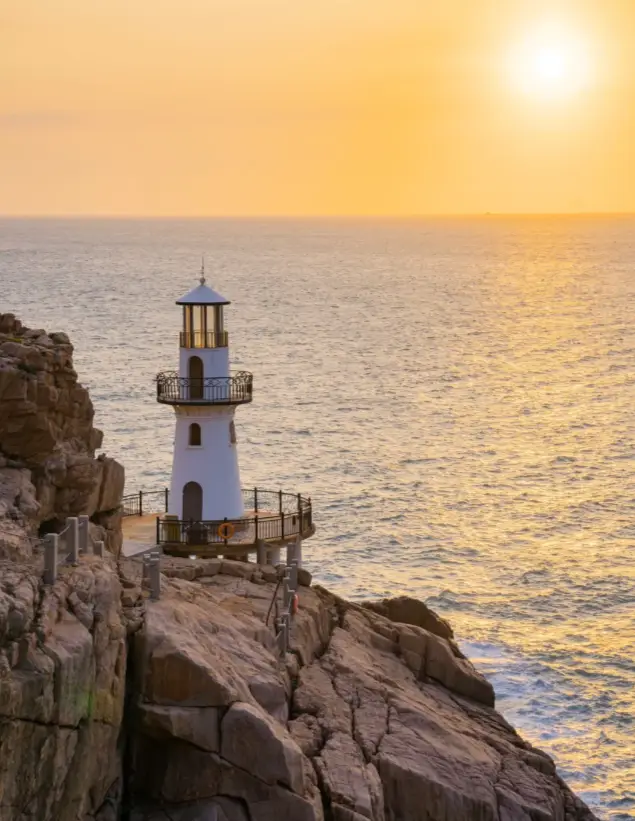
<point>143,502</point>
<point>272,516</point>
<point>173,389</point>
<point>284,615</point>
<point>204,339</point>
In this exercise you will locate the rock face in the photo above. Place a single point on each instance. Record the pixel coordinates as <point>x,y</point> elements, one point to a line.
<point>63,649</point>
<point>48,468</point>
<point>369,719</point>
<point>114,707</point>
<point>62,687</point>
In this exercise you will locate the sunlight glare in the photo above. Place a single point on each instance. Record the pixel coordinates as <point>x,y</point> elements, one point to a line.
<point>551,62</point>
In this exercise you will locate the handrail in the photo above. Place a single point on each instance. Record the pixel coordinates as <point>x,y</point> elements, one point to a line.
<point>256,499</point>
<point>173,389</point>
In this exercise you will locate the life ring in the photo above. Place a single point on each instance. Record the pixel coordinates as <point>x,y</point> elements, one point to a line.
<point>295,604</point>
<point>226,530</point>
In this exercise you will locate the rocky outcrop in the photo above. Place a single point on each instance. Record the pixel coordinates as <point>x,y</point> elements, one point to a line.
<point>63,657</point>
<point>48,469</point>
<point>63,649</point>
<point>116,707</point>
<point>369,719</point>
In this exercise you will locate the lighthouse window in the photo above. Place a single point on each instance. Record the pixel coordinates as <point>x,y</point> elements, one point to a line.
<point>195,435</point>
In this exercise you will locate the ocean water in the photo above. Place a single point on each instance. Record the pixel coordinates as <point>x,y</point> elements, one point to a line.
<point>458,398</point>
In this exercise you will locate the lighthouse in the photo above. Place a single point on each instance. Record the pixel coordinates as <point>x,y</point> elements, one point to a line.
<point>208,514</point>
<point>205,484</point>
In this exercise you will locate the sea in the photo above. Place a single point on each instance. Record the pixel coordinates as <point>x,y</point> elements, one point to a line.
<point>456,395</point>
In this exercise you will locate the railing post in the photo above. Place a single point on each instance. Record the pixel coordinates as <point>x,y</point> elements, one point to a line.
<point>256,527</point>
<point>282,524</point>
<point>158,530</point>
<point>167,499</point>
<point>255,500</point>
<point>280,501</point>
<point>83,534</point>
<point>155,575</point>
<point>293,576</point>
<point>50,558</point>
<point>73,539</point>
<point>225,532</point>
<point>140,503</point>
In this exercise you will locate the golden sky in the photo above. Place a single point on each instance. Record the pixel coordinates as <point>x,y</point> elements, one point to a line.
<point>303,107</point>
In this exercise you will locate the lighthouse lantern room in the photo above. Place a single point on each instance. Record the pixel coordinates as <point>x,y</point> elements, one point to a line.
<point>204,394</point>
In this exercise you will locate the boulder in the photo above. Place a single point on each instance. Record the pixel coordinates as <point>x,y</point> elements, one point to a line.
<point>411,611</point>
<point>247,732</point>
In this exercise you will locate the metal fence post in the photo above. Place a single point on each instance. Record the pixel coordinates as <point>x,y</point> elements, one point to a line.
<point>280,638</point>
<point>140,503</point>
<point>72,525</point>
<point>256,527</point>
<point>290,553</point>
<point>255,500</point>
<point>50,558</point>
<point>154,572</point>
<point>282,524</point>
<point>286,591</point>
<point>293,576</point>
<point>167,499</point>
<point>83,534</point>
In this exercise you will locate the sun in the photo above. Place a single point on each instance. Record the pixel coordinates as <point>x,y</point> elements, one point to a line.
<point>552,61</point>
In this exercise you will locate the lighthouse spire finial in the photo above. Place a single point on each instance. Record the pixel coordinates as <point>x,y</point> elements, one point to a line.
<point>202,279</point>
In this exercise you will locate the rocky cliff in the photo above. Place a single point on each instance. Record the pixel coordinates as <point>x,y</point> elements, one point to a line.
<point>48,468</point>
<point>116,707</point>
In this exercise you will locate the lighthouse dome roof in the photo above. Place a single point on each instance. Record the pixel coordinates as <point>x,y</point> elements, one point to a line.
<point>202,295</point>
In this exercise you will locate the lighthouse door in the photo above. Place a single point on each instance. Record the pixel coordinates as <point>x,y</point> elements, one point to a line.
<point>193,502</point>
<point>195,374</point>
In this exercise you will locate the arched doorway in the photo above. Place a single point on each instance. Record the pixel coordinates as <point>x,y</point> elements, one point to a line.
<point>196,374</point>
<point>192,502</point>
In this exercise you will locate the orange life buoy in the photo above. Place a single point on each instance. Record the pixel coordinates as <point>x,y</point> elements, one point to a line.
<point>226,530</point>
<point>295,604</point>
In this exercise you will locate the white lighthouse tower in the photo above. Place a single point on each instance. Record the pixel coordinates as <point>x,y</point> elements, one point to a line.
<point>205,481</point>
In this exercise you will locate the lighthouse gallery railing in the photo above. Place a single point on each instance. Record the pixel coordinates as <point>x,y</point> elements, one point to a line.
<point>272,516</point>
<point>173,389</point>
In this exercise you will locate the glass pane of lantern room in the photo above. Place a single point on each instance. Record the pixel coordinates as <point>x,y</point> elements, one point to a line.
<point>209,313</point>
<point>199,339</point>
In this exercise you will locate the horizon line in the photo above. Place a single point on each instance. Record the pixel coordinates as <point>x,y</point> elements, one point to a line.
<point>429,215</point>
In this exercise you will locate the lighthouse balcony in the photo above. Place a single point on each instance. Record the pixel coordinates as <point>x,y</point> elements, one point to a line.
<point>271,517</point>
<point>236,389</point>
